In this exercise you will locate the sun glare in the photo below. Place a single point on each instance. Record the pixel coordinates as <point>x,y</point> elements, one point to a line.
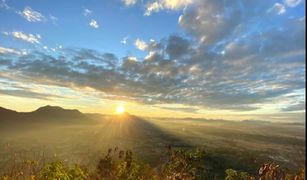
<point>120,109</point>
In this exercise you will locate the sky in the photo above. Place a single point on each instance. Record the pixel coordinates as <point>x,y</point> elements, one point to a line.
<point>208,59</point>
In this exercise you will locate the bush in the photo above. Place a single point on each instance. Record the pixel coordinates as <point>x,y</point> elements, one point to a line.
<point>235,175</point>
<point>121,165</point>
<point>185,165</point>
<point>57,170</point>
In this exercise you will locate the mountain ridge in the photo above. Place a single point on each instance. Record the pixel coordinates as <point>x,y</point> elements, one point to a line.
<point>54,113</point>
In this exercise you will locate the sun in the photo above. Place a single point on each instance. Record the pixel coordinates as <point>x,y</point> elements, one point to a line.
<point>120,109</point>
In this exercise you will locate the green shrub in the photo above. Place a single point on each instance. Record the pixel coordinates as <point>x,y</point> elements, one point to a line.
<point>235,175</point>
<point>57,170</point>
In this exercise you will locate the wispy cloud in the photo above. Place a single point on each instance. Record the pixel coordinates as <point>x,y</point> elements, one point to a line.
<point>28,94</point>
<point>124,40</point>
<point>129,2</point>
<point>153,7</point>
<point>159,5</point>
<point>292,3</point>
<point>87,12</point>
<point>140,44</point>
<point>53,19</point>
<point>28,13</point>
<point>31,15</point>
<point>3,4</point>
<point>182,109</point>
<point>30,38</point>
<point>4,50</point>
<point>277,8</point>
<point>300,106</point>
<point>94,24</point>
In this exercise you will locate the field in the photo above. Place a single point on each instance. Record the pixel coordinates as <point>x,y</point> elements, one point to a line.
<point>243,145</point>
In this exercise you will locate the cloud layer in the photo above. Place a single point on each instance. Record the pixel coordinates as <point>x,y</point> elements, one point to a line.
<point>238,56</point>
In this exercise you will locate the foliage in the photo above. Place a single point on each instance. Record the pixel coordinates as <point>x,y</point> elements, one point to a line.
<point>57,170</point>
<point>117,164</point>
<point>268,171</point>
<point>185,165</point>
<point>235,175</point>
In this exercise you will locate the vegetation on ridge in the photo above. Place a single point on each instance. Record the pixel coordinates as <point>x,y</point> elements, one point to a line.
<point>121,165</point>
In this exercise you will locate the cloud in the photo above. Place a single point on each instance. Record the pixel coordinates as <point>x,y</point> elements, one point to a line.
<point>53,19</point>
<point>301,106</point>
<point>131,58</point>
<point>183,109</point>
<point>211,21</point>
<point>31,15</point>
<point>129,2</point>
<point>28,94</point>
<point>30,38</point>
<point>278,8</point>
<point>4,4</point>
<point>4,50</point>
<point>153,7</point>
<point>292,3</point>
<point>256,69</point>
<point>176,4</point>
<point>159,5</point>
<point>177,47</point>
<point>124,40</point>
<point>87,12</point>
<point>94,24</point>
<point>140,44</point>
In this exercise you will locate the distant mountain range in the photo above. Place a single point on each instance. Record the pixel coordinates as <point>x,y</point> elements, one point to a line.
<point>41,114</point>
<point>58,114</point>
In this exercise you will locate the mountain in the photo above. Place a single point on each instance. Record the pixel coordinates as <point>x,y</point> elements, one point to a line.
<point>46,113</point>
<point>56,112</point>
<point>6,115</point>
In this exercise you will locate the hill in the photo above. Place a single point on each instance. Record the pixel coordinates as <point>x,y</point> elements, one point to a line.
<point>43,114</point>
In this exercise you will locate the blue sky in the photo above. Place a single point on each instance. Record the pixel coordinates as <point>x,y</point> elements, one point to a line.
<point>196,58</point>
<point>71,28</point>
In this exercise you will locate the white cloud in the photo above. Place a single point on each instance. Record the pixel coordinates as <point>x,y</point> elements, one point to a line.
<point>132,58</point>
<point>4,50</point>
<point>28,13</point>
<point>129,2</point>
<point>278,8</point>
<point>176,4</point>
<point>292,3</point>
<point>31,15</point>
<point>140,44</point>
<point>6,33</point>
<point>149,55</point>
<point>153,7</point>
<point>94,23</point>
<point>156,6</point>
<point>4,5</point>
<point>34,39</point>
<point>87,12</point>
<point>124,40</point>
